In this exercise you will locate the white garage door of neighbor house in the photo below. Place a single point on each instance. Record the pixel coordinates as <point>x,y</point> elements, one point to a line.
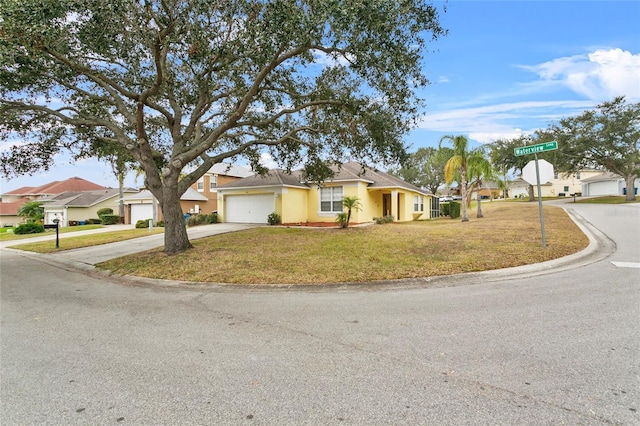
<point>141,212</point>
<point>249,208</point>
<point>603,188</point>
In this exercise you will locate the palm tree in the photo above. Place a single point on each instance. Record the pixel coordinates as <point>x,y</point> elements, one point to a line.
<point>350,203</point>
<point>32,210</point>
<point>458,162</point>
<point>479,170</point>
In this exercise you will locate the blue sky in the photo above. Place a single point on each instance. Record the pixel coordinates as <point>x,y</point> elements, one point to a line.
<point>506,68</point>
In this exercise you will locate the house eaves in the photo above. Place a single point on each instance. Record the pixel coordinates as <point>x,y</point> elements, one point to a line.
<point>275,178</point>
<point>82,198</point>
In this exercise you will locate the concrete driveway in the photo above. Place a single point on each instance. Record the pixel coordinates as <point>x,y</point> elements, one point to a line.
<point>101,253</point>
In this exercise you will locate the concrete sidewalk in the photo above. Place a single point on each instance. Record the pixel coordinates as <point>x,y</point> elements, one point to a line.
<point>103,252</point>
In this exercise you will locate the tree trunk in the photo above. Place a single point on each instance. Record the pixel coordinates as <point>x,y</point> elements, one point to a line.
<point>176,239</point>
<point>631,193</point>
<point>463,206</point>
<point>479,215</point>
<point>531,196</point>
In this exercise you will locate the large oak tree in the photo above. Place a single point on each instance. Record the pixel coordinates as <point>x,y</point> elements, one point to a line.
<point>180,85</point>
<point>607,137</point>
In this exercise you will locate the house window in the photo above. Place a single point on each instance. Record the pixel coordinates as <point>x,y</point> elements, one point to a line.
<point>418,203</point>
<point>555,175</point>
<point>200,184</point>
<point>566,189</point>
<point>578,175</point>
<point>331,199</point>
<point>213,182</point>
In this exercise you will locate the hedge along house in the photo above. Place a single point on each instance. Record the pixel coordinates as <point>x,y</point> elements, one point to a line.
<point>140,206</point>
<point>74,207</point>
<point>252,199</point>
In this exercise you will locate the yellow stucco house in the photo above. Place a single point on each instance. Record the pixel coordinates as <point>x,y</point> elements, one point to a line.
<point>252,199</point>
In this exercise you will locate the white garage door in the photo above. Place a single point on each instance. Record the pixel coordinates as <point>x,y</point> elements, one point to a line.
<point>141,212</point>
<point>603,188</point>
<point>249,208</point>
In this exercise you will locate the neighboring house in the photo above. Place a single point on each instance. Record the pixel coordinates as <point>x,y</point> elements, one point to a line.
<point>140,206</point>
<point>72,207</point>
<point>50,189</point>
<point>489,190</point>
<point>218,175</point>
<point>12,200</point>
<point>606,184</point>
<point>561,185</point>
<point>252,199</point>
<point>9,213</point>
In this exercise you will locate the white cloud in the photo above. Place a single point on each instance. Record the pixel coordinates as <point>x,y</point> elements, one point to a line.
<point>267,161</point>
<point>488,123</point>
<point>322,58</point>
<point>600,75</point>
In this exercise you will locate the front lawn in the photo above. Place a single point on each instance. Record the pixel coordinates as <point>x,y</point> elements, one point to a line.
<point>5,235</point>
<point>508,235</point>
<point>86,240</point>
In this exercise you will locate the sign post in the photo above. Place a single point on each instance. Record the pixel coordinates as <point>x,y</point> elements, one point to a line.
<point>535,149</point>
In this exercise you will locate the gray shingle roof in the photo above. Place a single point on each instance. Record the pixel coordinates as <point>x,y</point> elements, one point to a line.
<point>351,171</point>
<point>82,198</point>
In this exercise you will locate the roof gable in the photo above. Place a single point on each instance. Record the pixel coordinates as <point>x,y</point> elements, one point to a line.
<point>346,172</point>
<point>83,198</point>
<point>275,177</point>
<point>58,187</point>
<point>230,169</point>
<point>11,209</point>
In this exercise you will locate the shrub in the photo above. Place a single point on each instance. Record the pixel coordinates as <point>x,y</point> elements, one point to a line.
<point>384,219</point>
<point>160,223</point>
<point>143,223</point>
<point>105,211</point>
<point>341,220</point>
<point>274,219</point>
<point>197,219</point>
<point>29,228</point>
<point>454,210</point>
<point>444,209</point>
<point>110,219</point>
<point>94,221</point>
<point>212,218</point>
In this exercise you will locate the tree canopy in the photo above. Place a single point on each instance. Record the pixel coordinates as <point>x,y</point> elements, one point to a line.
<point>180,85</point>
<point>606,137</point>
<point>425,168</point>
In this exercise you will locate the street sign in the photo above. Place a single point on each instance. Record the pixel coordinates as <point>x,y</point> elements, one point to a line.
<point>534,149</point>
<point>545,169</point>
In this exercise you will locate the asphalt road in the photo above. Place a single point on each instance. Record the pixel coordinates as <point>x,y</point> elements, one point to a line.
<point>557,344</point>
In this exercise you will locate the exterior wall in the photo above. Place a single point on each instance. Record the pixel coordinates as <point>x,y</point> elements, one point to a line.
<point>77,214</point>
<point>11,220</point>
<point>211,205</point>
<point>349,189</point>
<point>560,184</point>
<point>292,204</point>
<point>299,205</point>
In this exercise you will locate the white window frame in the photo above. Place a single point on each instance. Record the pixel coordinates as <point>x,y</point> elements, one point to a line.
<point>213,182</point>
<point>200,185</point>
<point>333,195</point>
<point>418,203</point>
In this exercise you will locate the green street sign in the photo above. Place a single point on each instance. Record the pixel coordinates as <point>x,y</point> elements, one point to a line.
<point>534,149</point>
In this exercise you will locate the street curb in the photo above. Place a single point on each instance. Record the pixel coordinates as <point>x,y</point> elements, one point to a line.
<point>600,247</point>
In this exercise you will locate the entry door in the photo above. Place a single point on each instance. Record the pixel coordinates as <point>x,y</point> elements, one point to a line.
<point>386,204</point>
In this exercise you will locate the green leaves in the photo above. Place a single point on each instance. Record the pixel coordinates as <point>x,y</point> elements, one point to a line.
<point>197,82</point>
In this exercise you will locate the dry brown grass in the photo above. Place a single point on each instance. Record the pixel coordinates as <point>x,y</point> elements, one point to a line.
<point>508,235</point>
